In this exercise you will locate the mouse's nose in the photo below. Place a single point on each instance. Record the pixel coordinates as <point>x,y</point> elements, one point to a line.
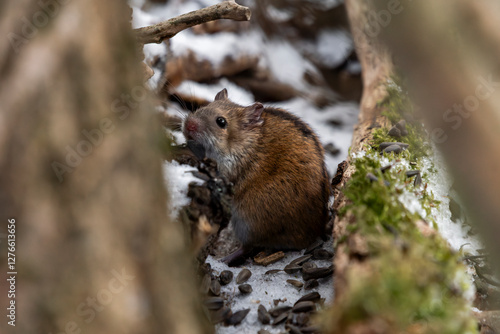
<point>190,128</point>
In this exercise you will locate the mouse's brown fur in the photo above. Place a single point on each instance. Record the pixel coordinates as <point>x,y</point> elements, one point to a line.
<point>276,163</point>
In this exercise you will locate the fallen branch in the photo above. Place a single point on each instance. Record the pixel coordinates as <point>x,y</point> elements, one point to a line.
<point>168,29</point>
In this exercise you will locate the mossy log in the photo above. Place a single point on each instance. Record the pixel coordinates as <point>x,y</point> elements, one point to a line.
<point>394,273</point>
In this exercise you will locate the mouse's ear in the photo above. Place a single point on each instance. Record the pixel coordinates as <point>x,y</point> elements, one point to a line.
<point>222,95</point>
<point>254,115</point>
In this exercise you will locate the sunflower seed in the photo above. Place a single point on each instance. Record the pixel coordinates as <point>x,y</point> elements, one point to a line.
<point>386,144</point>
<point>276,311</point>
<point>273,271</point>
<point>243,276</point>
<point>295,283</point>
<point>245,288</point>
<point>300,260</point>
<point>201,176</point>
<point>309,265</point>
<point>292,268</point>
<point>237,317</point>
<point>311,284</point>
<point>311,297</point>
<point>394,132</point>
<point>383,169</point>
<point>214,303</point>
<point>317,273</point>
<point>393,148</point>
<point>279,319</point>
<point>263,331</point>
<point>371,177</point>
<point>318,243</point>
<point>411,173</point>
<point>215,287</point>
<point>418,181</point>
<point>226,277</point>
<point>305,306</point>
<point>401,125</point>
<point>322,254</point>
<point>263,316</point>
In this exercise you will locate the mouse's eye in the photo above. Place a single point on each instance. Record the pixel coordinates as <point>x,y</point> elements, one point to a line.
<point>221,122</point>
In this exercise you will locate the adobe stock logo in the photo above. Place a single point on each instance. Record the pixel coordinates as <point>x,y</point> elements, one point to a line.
<point>460,111</point>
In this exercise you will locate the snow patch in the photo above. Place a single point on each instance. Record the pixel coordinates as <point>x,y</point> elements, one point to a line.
<point>142,19</point>
<point>235,93</point>
<point>286,63</point>
<point>215,48</point>
<point>331,47</point>
<point>177,179</point>
<point>279,15</point>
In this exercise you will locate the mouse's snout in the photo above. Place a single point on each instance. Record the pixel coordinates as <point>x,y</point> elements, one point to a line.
<point>191,128</point>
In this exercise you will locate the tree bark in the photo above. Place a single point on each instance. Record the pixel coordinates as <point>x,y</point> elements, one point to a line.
<point>377,67</point>
<point>82,177</point>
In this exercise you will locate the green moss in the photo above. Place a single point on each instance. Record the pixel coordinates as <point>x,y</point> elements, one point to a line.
<point>410,281</point>
<point>397,106</point>
<point>408,288</point>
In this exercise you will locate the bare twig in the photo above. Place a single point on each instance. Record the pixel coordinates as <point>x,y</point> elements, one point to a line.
<point>167,29</point>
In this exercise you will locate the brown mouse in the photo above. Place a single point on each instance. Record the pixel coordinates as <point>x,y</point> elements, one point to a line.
<point>276,163</point>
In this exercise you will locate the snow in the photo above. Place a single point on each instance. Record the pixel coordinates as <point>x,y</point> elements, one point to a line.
<point>327,4</point>
<point>177,179</point>
<point>333,39</point>
<point>331,47</point>
<point>286,63</point>
<point>440,183</point>
<point>266,288</point>
<point>142,19</point>
<point>279,15</point>
<point>208,92</point>
<point>215,48</point>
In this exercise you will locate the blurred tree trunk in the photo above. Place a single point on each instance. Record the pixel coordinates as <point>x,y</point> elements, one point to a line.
<point>452,65</point>
<point>82,177</point>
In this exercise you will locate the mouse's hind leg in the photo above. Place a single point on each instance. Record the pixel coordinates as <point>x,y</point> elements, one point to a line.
<point>243,234</point>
